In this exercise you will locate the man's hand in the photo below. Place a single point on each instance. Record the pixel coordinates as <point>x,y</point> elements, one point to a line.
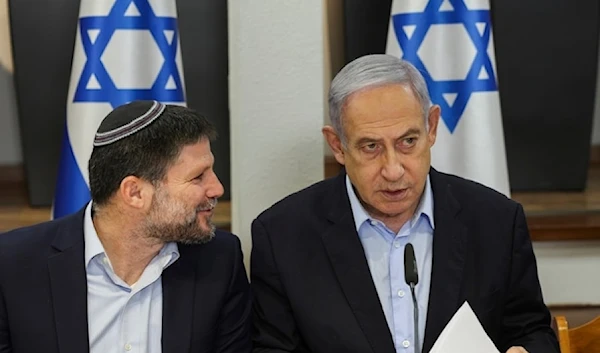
<point>517,350</point>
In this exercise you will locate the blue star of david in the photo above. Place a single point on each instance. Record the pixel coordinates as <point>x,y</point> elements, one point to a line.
<point>107,25</point>
<point>451,114</point>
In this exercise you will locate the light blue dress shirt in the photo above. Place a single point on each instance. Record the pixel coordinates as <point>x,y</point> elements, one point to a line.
<point>384,251</point>
<point>123,318</point>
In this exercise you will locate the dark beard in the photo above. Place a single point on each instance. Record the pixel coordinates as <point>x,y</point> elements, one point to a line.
<point>186,233</point>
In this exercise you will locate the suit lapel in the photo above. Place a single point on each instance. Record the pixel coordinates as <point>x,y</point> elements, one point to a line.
<point>449,248</point>
<point>178,303</point>
<point>350,266</point>
<point>68,285</point>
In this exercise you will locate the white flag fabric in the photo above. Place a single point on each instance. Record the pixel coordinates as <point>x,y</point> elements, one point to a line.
<point>125,50</point>
<point>451,43</point>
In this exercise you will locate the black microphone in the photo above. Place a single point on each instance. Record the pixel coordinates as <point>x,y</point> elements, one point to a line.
<point>411,276</point>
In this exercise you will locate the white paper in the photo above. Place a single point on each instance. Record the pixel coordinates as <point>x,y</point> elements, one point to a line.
<point>464,334</point>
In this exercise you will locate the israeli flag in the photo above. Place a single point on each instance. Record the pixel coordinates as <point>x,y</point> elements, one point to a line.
<point>450,42</point>
<point>125,50</point>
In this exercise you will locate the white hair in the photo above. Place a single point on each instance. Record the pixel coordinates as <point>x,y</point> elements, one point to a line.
<point>372,71</point>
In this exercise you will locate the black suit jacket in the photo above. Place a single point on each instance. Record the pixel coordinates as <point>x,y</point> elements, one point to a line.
<point>43,293</point>
<point>313,291</point>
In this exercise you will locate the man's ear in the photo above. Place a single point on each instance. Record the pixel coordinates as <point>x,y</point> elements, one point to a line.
<point>135,192</point>
<point>432,120</point>
<point>335,143</point>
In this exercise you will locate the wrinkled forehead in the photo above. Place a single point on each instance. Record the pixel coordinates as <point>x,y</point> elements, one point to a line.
<point>379,104</point>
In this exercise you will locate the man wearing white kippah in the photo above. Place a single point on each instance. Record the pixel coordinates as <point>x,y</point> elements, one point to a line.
<point>141,268</point>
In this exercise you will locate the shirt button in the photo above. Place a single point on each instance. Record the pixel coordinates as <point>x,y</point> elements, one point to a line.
<point>105,260</point>
<point>401,293</point>
<point>405,344</point>
<point>396,244</point>
<point>127,347</point>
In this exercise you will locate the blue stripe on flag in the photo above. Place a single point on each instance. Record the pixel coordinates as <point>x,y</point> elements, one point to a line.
<point>72,192</point>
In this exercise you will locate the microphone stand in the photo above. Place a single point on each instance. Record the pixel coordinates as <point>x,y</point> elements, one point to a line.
<point>415,318</point>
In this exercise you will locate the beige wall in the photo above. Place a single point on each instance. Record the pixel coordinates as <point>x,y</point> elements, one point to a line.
<point>5,49</point>
<point>10,143</point>
<point>276,104</point>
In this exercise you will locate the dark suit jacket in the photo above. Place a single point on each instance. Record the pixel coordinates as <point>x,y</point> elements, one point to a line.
<point>43,293</point>
<point>313,291</point>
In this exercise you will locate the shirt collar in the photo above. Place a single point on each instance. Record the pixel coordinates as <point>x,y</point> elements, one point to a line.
<point>93,246</point>
<point>424,208</point>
